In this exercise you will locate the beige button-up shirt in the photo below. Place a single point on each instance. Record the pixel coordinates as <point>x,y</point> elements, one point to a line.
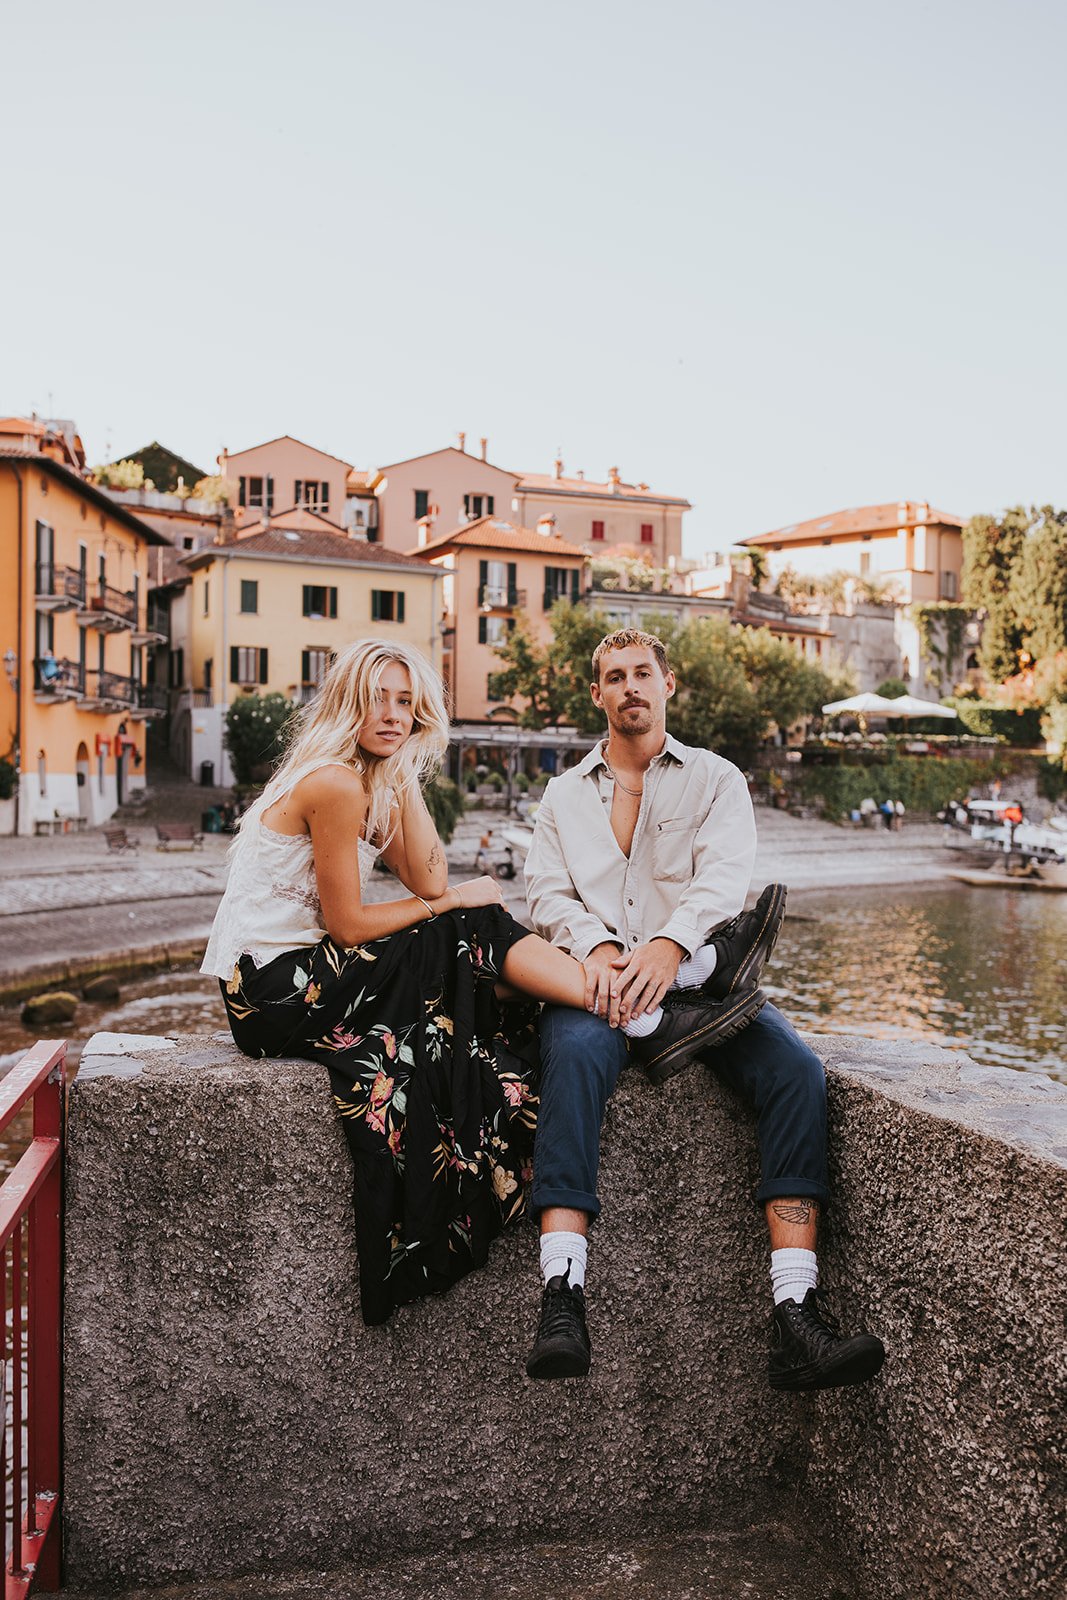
<point>689,865</point>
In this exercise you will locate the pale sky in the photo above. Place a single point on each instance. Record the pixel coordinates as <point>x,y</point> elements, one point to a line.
<point>779,256</point>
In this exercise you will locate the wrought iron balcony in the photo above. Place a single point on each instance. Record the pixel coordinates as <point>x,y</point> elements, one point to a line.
<point>498,597</point>
<point>109,609</point>
<point>151,701</point>
<point>57,679</point>
<point>58,588</point>
<point>107,691</point>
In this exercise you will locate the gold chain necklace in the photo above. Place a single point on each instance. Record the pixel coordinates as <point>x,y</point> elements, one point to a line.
<point>636,793</point>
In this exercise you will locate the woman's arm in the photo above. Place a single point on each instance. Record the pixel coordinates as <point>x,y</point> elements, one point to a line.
<point>335,808</point>
<point>415,852</point>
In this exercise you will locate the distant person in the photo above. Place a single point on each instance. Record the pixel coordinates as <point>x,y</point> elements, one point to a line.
<point>898,816</point>
<point>868,811</point>
<point>640,863</point>
<point>887,810</point>
<point>49,670</point>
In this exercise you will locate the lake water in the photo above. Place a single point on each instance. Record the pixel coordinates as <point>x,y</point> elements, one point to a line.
<point>981,970</point>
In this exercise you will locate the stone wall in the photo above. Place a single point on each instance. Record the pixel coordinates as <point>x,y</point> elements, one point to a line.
<point>226,1410</point>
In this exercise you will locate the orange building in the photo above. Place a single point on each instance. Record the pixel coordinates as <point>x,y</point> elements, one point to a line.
<point>916,550</point>
<point>495,571</point>
<point>74,627</point>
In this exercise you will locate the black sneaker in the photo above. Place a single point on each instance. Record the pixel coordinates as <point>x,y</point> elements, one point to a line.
<point>690,1025</point>
<point>743,946</point>
<point>809,1351</point>
<point>561,1349</point>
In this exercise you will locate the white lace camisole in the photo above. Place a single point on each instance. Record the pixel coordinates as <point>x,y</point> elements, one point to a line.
<point>271,903</point>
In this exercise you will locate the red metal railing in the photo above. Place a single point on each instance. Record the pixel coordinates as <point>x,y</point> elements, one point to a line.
<point>31,1219</point>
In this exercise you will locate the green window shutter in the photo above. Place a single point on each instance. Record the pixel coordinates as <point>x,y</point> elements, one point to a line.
<point>483,579</point>
<point>483,630</point>
<point>333,602</point>
<point>376,605</point>
<point>241,491</point>
<point>270,494</point>
<point>513,590</point>
<point>576,578</point>
<point>307,600</point>
<point>263,665</point>
<point>305,666</point>
<point>235,664</point>
<point>400,605</point>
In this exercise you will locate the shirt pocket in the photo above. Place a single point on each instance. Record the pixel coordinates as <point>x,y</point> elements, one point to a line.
<point>672,850</point>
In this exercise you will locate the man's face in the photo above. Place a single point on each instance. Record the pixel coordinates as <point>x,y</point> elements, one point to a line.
<point>632,692</point>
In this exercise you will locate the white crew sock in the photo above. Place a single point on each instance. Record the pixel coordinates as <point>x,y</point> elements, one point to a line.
<point>793,1273</point>
<point>641,1027</point>
<point>564,1253</point>
<point>697,968</point>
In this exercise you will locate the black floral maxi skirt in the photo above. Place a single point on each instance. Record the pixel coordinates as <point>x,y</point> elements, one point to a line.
<point>438,1098</point>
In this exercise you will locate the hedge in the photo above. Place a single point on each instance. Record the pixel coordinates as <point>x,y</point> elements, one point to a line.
<point>922,783</point>
<point>444,802</point>
<point>982,717</point>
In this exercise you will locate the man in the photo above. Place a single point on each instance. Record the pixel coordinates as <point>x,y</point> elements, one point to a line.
<point>639,867</point>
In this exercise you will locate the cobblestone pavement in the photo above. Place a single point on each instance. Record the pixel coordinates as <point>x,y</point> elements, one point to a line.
<point>65,899</point>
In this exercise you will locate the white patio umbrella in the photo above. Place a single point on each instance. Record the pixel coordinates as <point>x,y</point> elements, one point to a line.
<point>908,705</point>
<point>862,705</point>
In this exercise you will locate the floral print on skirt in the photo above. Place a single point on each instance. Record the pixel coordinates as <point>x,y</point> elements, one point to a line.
<point>438,1098</point>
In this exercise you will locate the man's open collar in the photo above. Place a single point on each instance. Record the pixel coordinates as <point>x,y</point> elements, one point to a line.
<point>595,757</point>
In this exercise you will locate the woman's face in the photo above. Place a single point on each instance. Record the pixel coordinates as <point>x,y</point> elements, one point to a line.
<point>392,719</point>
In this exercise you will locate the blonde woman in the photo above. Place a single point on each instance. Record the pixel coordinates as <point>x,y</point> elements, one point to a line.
<point>397,1000</point>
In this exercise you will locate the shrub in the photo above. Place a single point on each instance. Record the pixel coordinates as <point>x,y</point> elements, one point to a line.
<point>982,717</point>
<point>444,802</point>
<point>9,778</point>
<point>522,782</point>
<point>255,732</point>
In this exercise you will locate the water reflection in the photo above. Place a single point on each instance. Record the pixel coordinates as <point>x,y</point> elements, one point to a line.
<point>983,970</point>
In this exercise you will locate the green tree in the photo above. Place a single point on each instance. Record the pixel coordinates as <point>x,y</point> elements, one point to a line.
<point>991,552</point>
<point>554,679</point>
<point>256,733</point>
<point>1039,584</point>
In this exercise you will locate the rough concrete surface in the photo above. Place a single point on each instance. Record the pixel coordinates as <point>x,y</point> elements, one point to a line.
<point>764,1563</point>
<point>227,1412</point>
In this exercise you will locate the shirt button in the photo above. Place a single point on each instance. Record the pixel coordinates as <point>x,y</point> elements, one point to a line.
<point>633,938</point>
<point>629,902</point>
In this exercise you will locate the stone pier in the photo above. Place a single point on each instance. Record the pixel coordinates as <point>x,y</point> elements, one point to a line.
<point>227,1413</point>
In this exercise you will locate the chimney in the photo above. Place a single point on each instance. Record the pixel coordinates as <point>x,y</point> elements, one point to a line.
<point>613,480</point>
<point>425,529</point>
<point>546,524</point>
<point>484,443</point>
<point>222,459</point>
<point>463,442</point>
<point>580,474</point>
<point>557,467</point>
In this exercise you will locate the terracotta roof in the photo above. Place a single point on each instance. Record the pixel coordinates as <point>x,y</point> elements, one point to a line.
<point>303,545</point>
<point>859,519</point>
<point>358,479</point>
<point>541,482</point>
<point>487,533</point>
<point>22,425</point>
<point>302,518</point>
<point>96,497</point>
<point>286,438</point>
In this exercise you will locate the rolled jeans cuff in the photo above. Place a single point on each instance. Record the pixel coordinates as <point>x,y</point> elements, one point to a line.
<point>792,1189</point>
<point>545,1199</point>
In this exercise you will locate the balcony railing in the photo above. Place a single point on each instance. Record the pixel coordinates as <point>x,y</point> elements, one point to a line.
<point>105,690</point>
<point>58,588</point>
<point>158,620</point>
<point>500,596</point>
<point>58,678</point>
<point>307,693</point>
<point>150,700</point>
<point>110,609</point>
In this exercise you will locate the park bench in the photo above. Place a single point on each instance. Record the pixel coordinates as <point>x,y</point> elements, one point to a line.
<point>180,833</point>
<point>118,839</point>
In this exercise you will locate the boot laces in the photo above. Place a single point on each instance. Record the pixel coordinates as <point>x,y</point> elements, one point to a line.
<point>818,1321</point>
<point>560,1309</point>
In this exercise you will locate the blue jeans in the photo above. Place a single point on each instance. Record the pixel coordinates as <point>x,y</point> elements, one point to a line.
<point>767,1064</point>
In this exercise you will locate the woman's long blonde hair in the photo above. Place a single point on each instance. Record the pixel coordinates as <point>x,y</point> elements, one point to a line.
<point>326,730</point>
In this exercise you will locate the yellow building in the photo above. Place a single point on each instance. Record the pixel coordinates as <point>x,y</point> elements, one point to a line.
<point>73,636</point>
<point>266,612</point>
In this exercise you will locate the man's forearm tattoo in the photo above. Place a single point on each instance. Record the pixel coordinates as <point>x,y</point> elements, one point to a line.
<point>435,856</point>
<point>798,1212</point>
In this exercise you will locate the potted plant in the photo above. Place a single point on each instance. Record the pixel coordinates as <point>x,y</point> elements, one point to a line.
<point>9,778</point>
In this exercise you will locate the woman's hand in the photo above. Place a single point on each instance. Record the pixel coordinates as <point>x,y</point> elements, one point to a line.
<point>476,892</point>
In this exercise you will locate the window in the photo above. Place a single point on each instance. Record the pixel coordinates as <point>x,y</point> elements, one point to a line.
<point>478,505</point>
<point>865,563</point>
<point>558,582</point>
<point>497,583</point>
<point>319,602</point>
<point>494,630</point>
<point>256,492</point>
<point>647,533</point>
<point>209,667</point>
<point>177,668</point>
<point>598,530</point>
<point>422,504</point>
<point>313,493</point>
<point>248,664</point>
<point>207,596</point>
<point>313,665</point>
<point>250,596</point>
<point>948,586</point>
<point>387,605</point>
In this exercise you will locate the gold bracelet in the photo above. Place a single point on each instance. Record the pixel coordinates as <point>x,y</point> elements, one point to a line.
<point>429,907</point>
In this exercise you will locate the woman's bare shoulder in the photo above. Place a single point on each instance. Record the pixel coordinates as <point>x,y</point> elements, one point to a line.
<point>331,786</point>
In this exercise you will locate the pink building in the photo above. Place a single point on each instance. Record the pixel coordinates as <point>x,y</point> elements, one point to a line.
<point>443,488</point>
<point>282,474</point>
<point>605,517</point>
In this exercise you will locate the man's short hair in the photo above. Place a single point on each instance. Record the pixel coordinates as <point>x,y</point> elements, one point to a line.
<point>629,638</point>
